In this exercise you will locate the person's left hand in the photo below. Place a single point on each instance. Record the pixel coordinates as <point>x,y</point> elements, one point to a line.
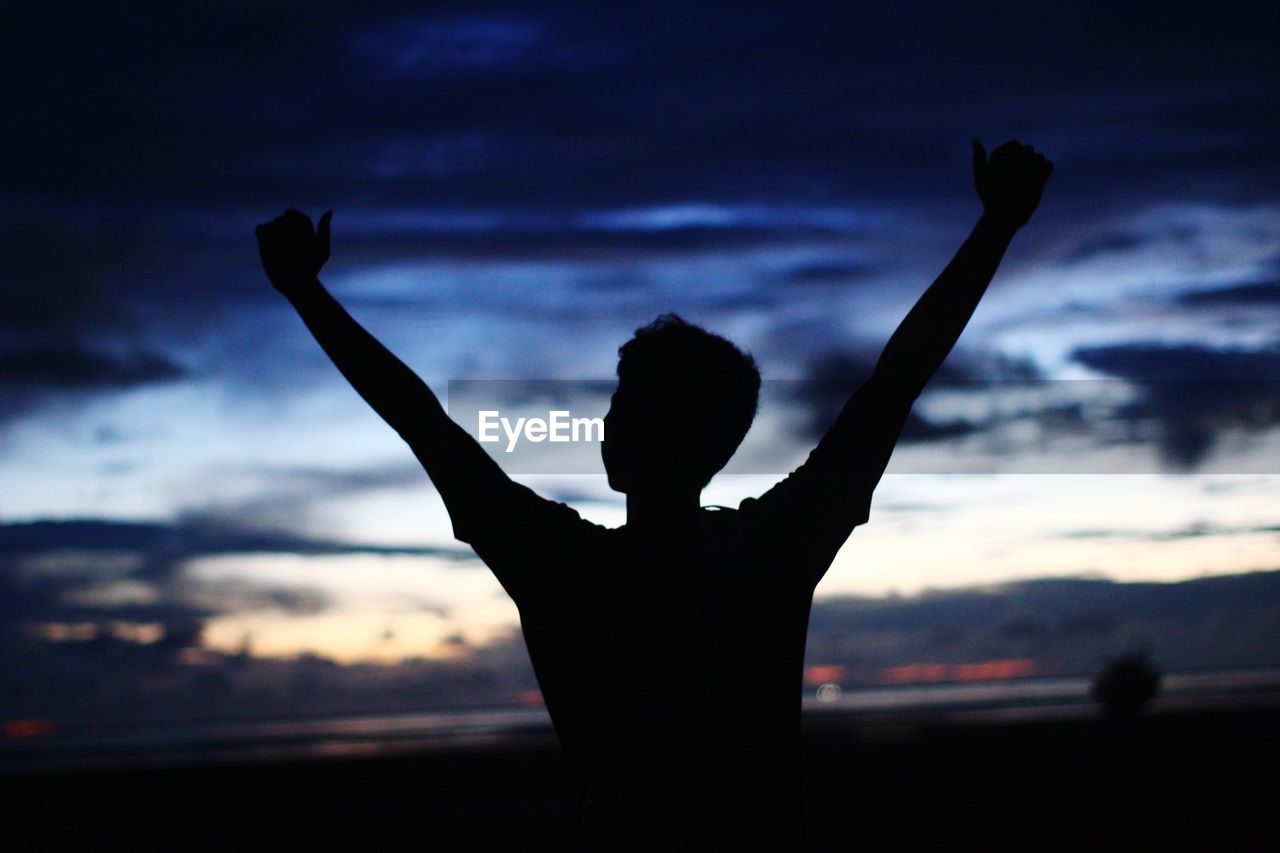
<point>292,251</point>
<point>1011,182</point>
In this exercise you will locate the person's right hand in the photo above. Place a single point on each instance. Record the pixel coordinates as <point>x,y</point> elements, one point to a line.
<point>292,251</point>
<point>1010,183</point>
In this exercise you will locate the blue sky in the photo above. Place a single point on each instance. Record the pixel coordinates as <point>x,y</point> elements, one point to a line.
<point>517,187</point>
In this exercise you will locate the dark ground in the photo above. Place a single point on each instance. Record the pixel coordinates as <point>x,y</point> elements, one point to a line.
<point>1177,781</point>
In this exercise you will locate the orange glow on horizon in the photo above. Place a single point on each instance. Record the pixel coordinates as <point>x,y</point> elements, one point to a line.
<point>823,674</point>
<point>29,728</point>
<point>1001,669</point>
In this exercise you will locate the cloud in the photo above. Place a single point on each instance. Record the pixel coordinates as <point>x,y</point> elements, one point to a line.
<point>75,367</point>
<point>1066,626</point>
<point>533,133</point>
<point>434,46</point>
<point>1192,531</point>
<point>826,273</point>
<point>1003,414</point>
<point>124,657</point>
<point>597,135</point>
<point>373,236</point>
<point>1111,242</point>
<point>53,272</point>
<point>71,321</point>
<point>610,105</point>
<point>83,534</point>
<point>190,537</point>
<point>44,374</point>
<point>1158,361</point>
<point>99,619</point>
<point>832,377</point>
<point>240,596</point>
<point>1192,392</point>
<point>1259,295</point>
<point>284,497</point>
<point>101,574</point>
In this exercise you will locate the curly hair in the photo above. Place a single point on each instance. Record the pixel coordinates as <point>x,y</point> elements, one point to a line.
<point>683,374</point>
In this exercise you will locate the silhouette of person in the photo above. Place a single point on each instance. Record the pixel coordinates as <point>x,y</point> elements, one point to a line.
<point>670,650</point>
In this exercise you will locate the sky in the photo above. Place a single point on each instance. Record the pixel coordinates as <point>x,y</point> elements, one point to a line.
<point>196,507</point>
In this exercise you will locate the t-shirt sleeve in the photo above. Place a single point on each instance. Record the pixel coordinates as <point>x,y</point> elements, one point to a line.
<point>511,527</point>
<point>817,506</point>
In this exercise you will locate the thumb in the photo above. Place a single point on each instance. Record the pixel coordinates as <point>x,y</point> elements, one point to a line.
<point>322,229</point>
<point>979,158</point>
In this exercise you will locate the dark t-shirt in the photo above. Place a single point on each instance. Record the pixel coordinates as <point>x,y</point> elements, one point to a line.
<point>670,659</point>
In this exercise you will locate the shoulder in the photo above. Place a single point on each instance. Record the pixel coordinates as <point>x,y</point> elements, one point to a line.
<point>533,545</point>
<point>518,513</point>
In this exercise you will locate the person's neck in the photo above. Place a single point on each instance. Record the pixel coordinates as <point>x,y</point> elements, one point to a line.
<point>662,507</point>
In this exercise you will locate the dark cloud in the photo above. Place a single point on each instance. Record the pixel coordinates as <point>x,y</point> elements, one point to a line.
<point>72,309</point>
<point>580,132</point>
<point>573,242</point>
<point>827,273</point>
<point>1106,244</point>
<point>1192,393</point>
<point>151,142</point>
<point>1067,627</point>
<point>75,367</point>
<point>35,376</point>
<point>1121,241</point>
<point>832,377</point>
<point>54,270</point>
<point>1258,295</point>
<point>1063,627</point>
<point>341,482</point>
<point>82,535</point>
<point>1192,531</point>
<point>241,596</point>
<point>193,536</point>
<point>286,497</point>
<point>443,46</point>
<point>99,620</point>
<point>1156,361</point>
<point>512,103</point>
<point>99,574</point>
<point>919,429</point>
<point>81,685</point>
<point>1187,397</point>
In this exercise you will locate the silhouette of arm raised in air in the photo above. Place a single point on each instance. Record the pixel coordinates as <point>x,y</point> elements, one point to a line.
<point>292,254</point>
<point>831,492</point>
<point>1010,185</point>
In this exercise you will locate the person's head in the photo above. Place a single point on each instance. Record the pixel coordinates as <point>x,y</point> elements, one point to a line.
<point>684,402</point>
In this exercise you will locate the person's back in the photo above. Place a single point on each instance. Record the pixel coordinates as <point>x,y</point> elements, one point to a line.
<point>670,650</point>
<point>669,658</point>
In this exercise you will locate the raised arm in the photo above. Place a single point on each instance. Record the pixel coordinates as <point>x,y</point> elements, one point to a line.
<point>1010,185</point>
<point>831,492</point>
<point>292,254</point>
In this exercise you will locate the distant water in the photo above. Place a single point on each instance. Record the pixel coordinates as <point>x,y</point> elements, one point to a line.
<point>1025,700</point>
<point>1033,699</point>
<point>273,740</point>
